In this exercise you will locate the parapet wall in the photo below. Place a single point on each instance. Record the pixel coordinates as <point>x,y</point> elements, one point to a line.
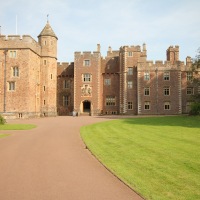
<point>86,53</point>
<point>112,53</point>
<point>131,48</point>
<point>160,65</point>
<point>19,42</point>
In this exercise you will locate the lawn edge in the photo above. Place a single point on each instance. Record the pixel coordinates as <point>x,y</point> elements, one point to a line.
<point>108,169</point>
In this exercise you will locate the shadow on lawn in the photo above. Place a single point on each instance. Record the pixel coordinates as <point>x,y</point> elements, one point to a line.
<point>183,121</point>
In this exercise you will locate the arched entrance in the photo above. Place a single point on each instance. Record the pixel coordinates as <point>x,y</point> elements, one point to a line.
<point>86,106</point>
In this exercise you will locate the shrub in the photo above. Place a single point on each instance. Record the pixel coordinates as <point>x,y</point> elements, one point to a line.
<point>195,109</point>
<point>2,120</point>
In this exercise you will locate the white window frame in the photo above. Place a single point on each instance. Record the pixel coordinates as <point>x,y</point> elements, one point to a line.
<point>107,81</point>
<point>110,100</point>
<point>12,86</point>
<point>167,105</point>
<point>130,105</point>
<point>130,84</point>
<point>189,76</point>
<point>13,54</point>
<point>15,71</point>
<point>130,53</point>
<point>147,91</point>
<point>87,77</point>
<point>166,76</point>
<point>189,90</point>
<point>166,91</point>
<point>147,105</point>
<point>130,70</point>
<point>86,62</point>
<point>146,76</point>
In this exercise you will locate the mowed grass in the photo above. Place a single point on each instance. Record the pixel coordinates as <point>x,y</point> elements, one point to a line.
<point>158,157</point>
<point>17,126</point>
<point>3,135</point>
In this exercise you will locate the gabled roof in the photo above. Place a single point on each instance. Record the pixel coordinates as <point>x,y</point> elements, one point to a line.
<point>47,31</point>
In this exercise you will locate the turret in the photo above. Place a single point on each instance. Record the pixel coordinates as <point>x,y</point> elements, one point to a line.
<point>48,41</point>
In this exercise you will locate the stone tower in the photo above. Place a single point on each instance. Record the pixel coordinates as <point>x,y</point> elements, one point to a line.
<point>173,53</point>
<point>48,76</point>
<point>88,82</point>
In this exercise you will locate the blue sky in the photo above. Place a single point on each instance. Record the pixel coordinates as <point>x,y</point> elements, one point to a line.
<point>81,25</point>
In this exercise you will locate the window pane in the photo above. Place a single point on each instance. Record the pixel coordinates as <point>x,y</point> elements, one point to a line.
<point>15,71</point>
<point>147,91</point>
<point>167,105</point>
<point>11,85</point>
<point>130,105</point>
<point>146,76</point>
<point>189,76</point>
<point>66,84</point>
<point>166,76</point>
<point>86,62</point>
<point>110,100</point>
<point>130,84</point>
<point>147,105</point>
<point>190,90</point>
<point>166,91</point>
<point>107,81</point>
<point>86,77</point>
<point>130,71</point>
<point>65,100</point>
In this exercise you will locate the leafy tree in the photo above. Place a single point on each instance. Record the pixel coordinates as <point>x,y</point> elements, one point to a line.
<point>2,120</point>
<point>195,108</point>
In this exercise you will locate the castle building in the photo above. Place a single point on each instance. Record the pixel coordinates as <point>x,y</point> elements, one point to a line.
<point>125,83</point>
<point>33,84</point>
<point>28,71</point>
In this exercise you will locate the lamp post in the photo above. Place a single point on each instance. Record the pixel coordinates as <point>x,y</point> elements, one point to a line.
<point>4,106</point>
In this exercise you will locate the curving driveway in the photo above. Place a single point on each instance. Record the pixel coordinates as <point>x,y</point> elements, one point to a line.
<point>50,162</point>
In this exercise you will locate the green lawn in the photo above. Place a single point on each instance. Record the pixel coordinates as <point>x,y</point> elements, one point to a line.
<point>3,135</point>
<point>17,126</point>
<point>158,157</point>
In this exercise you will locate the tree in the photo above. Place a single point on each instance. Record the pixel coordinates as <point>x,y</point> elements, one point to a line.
<point>195,107</point>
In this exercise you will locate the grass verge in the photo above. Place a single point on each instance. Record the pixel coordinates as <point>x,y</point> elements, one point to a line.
<point>158,157</point>
<point>3,135</point>
<point>17,126</point>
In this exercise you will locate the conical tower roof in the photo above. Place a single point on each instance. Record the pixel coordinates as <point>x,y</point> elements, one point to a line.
<point>47,31</point>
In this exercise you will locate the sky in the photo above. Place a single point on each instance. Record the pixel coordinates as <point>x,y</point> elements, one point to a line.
<point>81,25</point>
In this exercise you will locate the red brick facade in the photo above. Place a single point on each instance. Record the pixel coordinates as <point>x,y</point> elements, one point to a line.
<point>28,69</point>
<point>124,82</point>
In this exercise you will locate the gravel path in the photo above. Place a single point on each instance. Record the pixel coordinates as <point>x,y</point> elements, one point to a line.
<point>50,162</point>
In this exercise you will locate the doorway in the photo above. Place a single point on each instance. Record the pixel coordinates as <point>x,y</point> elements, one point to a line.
<point>86,106</point>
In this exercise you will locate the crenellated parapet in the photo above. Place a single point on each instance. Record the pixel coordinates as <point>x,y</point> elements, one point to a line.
<point>132,48</point>
<point>160,65</point>
<point>87,55</point>
<point>19,42</point>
